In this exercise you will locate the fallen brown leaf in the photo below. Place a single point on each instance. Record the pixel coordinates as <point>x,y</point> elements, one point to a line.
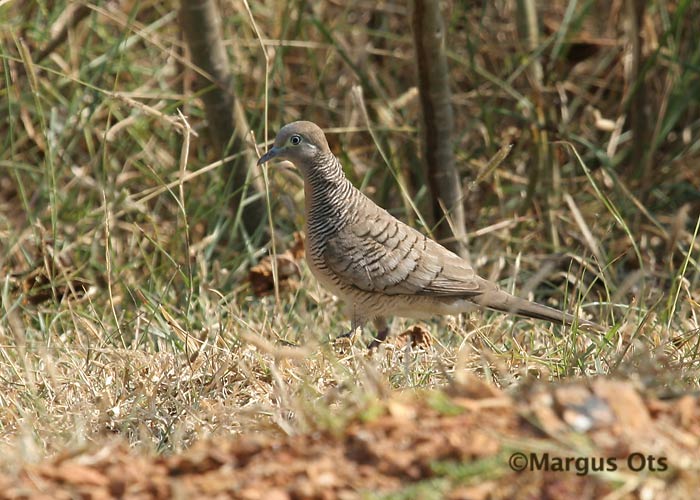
<point>417,336</point>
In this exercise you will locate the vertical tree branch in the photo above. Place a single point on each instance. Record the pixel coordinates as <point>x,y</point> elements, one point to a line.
<point>637,101</point>
<point>201,23</point>
<point>438,123</point>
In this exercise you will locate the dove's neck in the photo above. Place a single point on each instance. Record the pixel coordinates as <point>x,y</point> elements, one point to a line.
<point>330,198</point>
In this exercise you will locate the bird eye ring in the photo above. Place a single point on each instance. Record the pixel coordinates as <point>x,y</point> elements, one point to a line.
<point>295,140</point>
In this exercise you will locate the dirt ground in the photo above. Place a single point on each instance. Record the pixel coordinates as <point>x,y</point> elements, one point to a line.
<point>471,442</point>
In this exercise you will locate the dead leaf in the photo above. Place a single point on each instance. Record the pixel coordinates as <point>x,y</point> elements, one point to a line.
<point>630,411</point>
<point>261,276</point>
<point>418,336</point>
<point>466,385</point>
<point>72,473</point>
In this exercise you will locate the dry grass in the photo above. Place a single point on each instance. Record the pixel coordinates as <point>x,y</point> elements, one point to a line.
<point>125,311</point>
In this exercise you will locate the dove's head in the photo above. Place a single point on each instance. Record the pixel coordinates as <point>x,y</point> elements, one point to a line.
<point>302,143</point>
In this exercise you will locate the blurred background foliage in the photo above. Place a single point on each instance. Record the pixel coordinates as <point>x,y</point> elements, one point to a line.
<point>95,194</point>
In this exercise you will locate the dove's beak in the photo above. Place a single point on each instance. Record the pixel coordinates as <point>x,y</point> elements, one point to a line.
<point>273,152</point>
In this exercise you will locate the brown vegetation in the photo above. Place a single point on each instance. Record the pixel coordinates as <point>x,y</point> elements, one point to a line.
<point>134,338</point>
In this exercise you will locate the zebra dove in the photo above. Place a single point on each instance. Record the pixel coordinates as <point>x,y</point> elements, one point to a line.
<point>375,263</point>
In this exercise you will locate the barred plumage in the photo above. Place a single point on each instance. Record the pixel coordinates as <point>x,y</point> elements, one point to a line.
<point>377,264</point>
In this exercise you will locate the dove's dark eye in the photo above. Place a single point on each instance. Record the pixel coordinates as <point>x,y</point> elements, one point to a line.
<point>295,140</point>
